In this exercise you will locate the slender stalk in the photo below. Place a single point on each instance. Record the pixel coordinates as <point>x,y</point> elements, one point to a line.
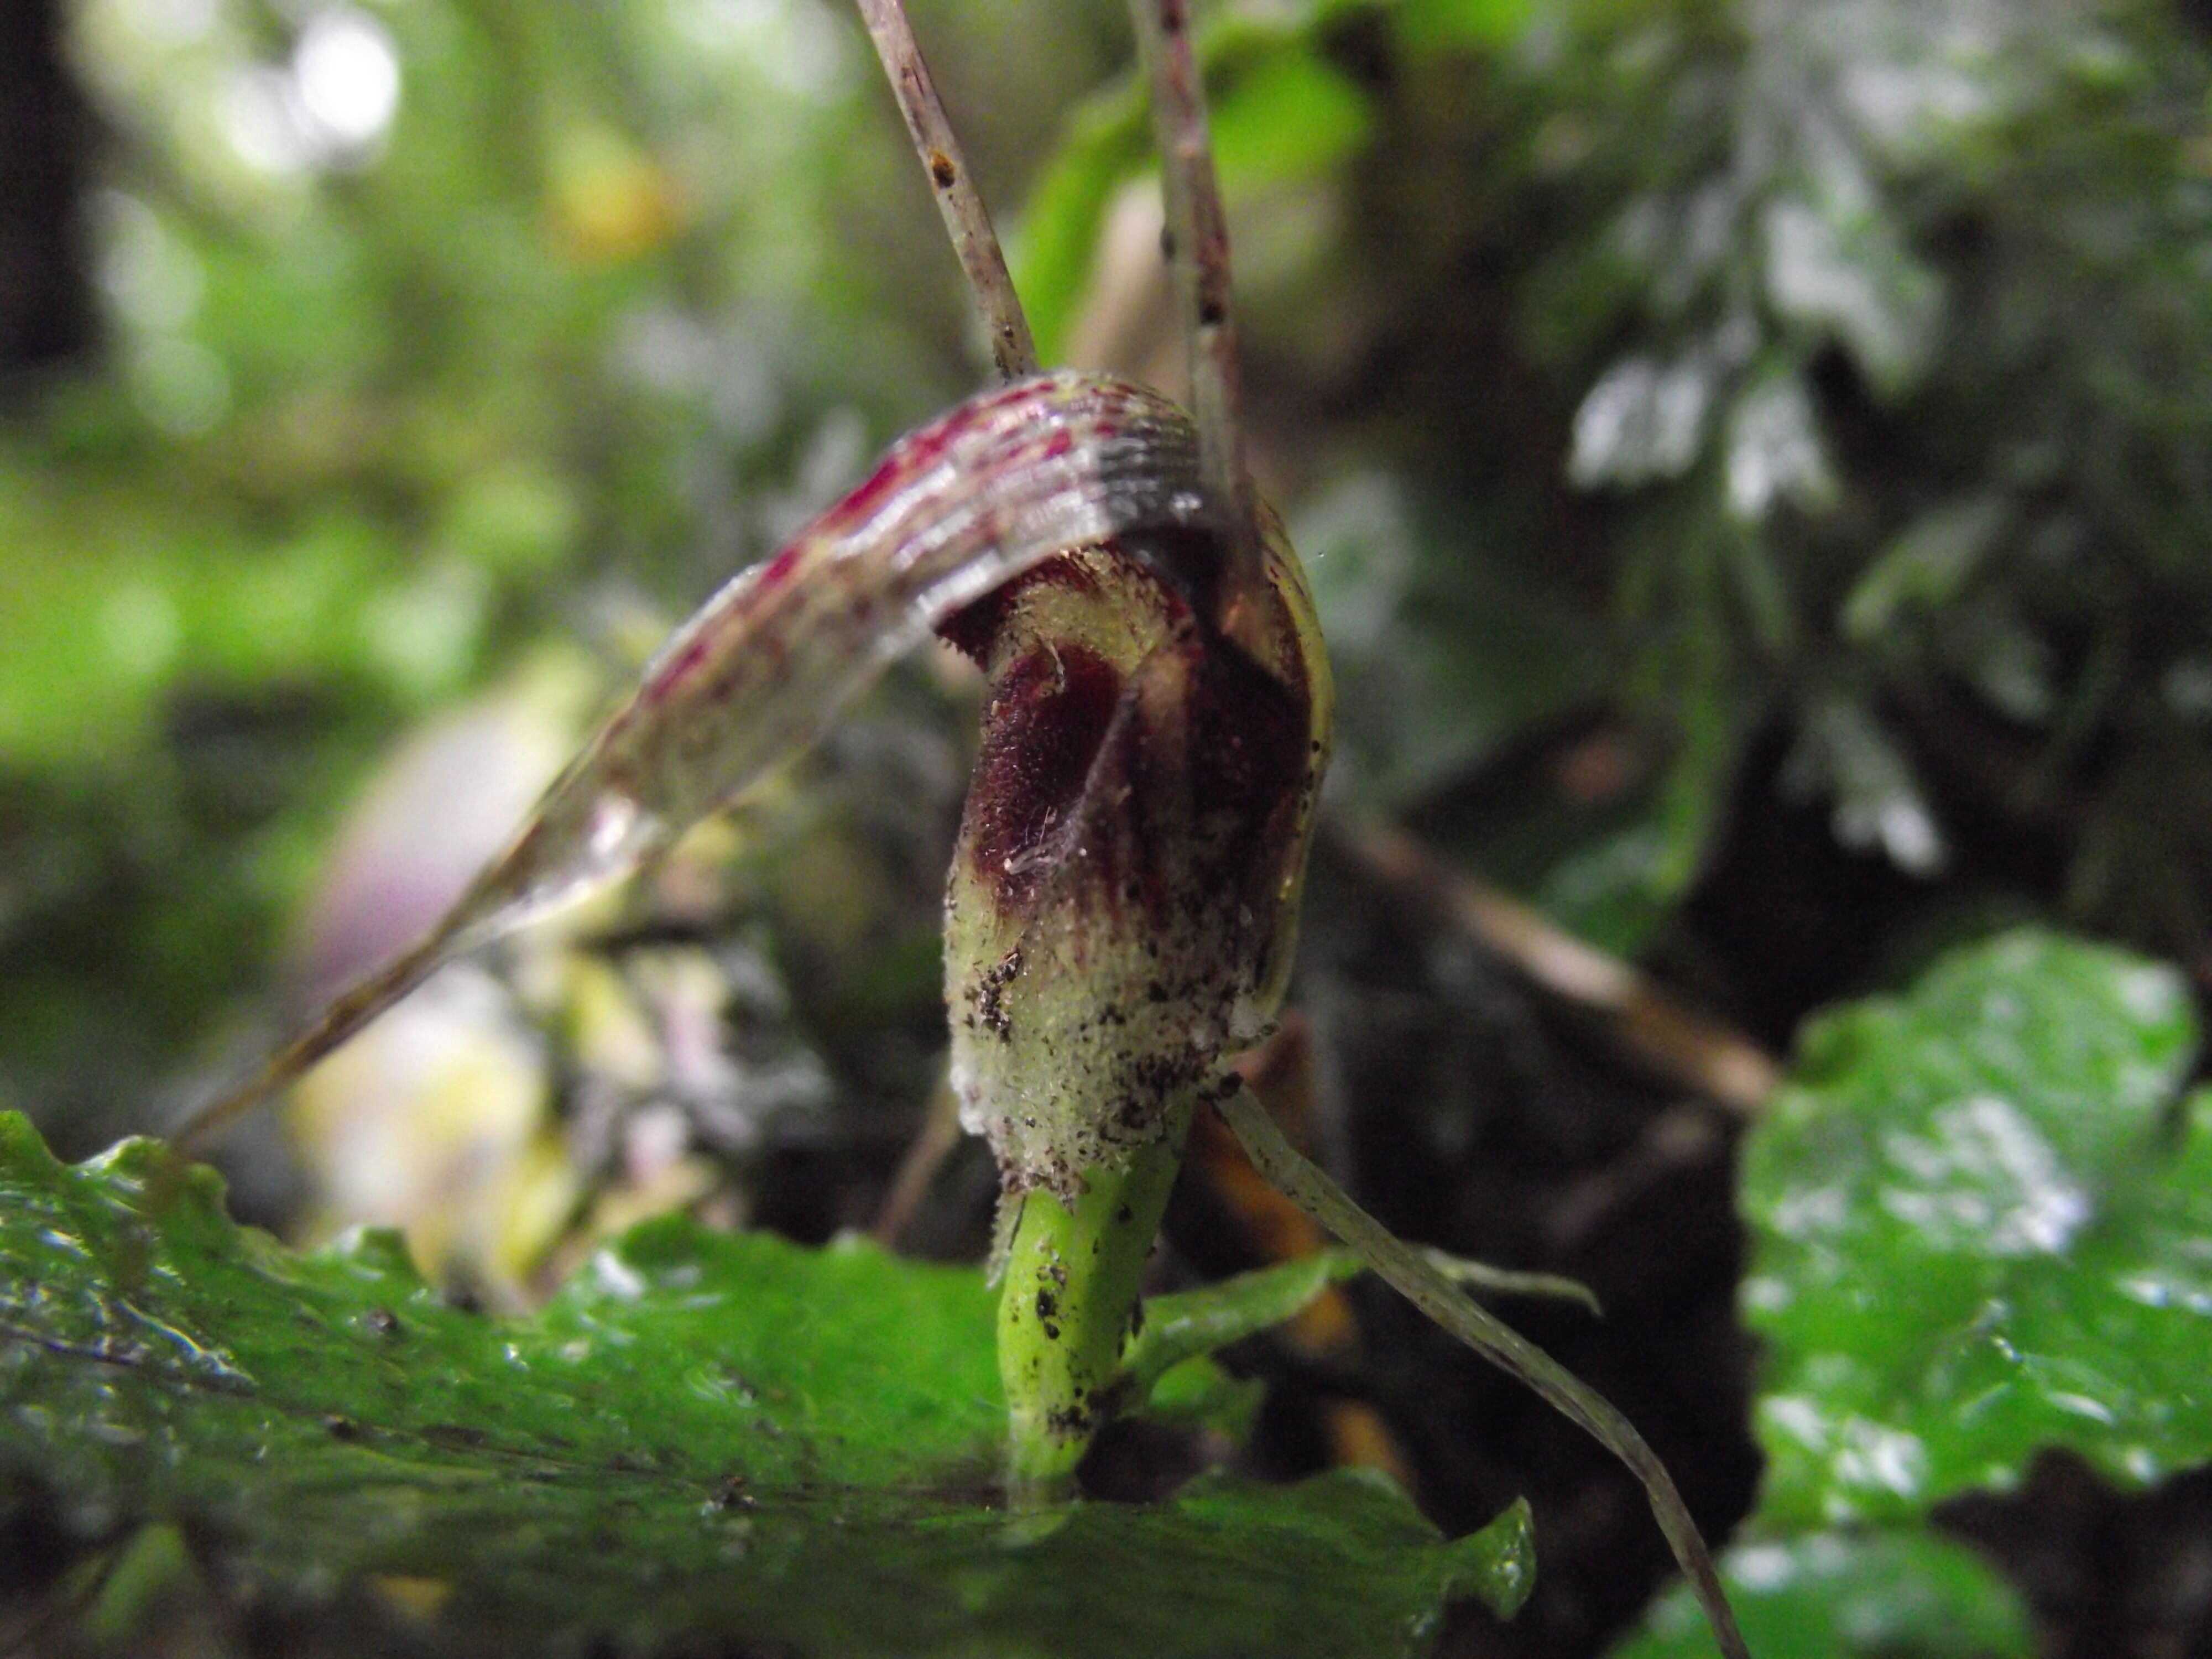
<point>1416,1278</point>
<point>940,1137</point>
<point>1679,1042</point>
<point>1197,246</point>
<point>1072,1275</point>
<point>1013,352</point>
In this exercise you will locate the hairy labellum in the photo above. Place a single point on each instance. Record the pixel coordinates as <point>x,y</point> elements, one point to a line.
<point>1119,915</point>
<point>1123,900</point>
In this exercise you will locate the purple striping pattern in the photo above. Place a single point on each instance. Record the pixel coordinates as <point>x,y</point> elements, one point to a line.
<point>959,506</point>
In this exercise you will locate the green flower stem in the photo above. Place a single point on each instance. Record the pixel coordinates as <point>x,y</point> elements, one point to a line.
<point>1066,1312</point>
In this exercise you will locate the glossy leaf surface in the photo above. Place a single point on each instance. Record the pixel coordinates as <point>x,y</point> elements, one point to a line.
<point>702,1436</point>
<point>1981,1232</point>
<point>1907,1594</point>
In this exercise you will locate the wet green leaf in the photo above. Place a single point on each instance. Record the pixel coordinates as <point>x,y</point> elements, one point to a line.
<point>1842,1595</point>
<point>1973,1241</point>
<point>702,1436</point>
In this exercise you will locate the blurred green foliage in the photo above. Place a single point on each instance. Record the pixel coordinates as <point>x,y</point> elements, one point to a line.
<point>1882,327</point>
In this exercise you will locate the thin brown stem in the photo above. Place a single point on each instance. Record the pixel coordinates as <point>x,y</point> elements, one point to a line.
<point>1197,247</point>
<point>1680,1043</point>
<point>1415,1276</point>
<point>966,220</point>
<point>940,1137</point>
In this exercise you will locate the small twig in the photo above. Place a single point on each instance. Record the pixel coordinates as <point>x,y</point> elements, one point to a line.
<point>940,1136</point>
<point>966,219</point>
<point>1197,246</point>
<point>1681,1044</point>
